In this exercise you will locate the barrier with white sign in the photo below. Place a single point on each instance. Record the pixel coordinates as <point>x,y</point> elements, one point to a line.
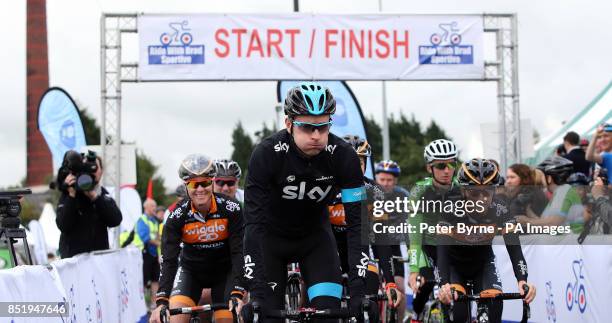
<point>103,287</point>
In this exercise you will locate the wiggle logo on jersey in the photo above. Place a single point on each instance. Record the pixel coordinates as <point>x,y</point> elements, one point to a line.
<point>205,232</point>
<point>292,192</point>
<point>281,146</point>
<point>336,215</point>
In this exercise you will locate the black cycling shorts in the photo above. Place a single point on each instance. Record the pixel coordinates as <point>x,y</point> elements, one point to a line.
<point>483,275</point>
<point>398,267</point>
<point>189,282</point>
<point>319,263</point>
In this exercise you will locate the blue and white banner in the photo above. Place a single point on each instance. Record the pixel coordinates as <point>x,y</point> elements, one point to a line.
<point>304,46</point>
<point>348,119</point>
<point>60,124</point>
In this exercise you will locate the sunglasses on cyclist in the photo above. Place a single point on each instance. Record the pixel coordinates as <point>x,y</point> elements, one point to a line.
<point>194,184</point>
<point>476,193</point>
<point>221,183</point>
<point>311,127</point>
<point>442,166</point>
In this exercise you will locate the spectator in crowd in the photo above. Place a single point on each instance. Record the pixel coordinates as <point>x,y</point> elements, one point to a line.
<point>565,206</point>
<point>603,138</point>
<point>571,143</point>
<point>602,207</point>
<point>525,197</point>
<point>84,216</point>
<point>584,143</point>
<point>148,239</point>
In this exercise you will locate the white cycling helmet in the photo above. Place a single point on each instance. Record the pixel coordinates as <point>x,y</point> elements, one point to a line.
<point>440,149</point>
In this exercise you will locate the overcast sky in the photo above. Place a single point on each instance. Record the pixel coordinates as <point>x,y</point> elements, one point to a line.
<point>564,61</point>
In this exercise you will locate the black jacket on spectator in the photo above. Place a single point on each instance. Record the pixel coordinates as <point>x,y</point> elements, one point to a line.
<point>581,165</point>
<point>84,223</point>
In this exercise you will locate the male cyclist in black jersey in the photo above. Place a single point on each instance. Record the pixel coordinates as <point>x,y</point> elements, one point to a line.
<point>462,257</point>
<point>292,176</point>
<point>441,161</point>
<point>387,173</point>
<point>201,245</point>
<point>338,222</point>
<point>226,180</point>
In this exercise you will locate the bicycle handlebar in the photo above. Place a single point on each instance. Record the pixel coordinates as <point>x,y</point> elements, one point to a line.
<point>340,313</point>
<point>197,309</point>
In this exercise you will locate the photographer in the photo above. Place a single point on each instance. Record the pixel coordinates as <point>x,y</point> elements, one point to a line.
<point>85,210</point>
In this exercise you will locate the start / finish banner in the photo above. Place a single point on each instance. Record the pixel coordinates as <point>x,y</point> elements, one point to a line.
<point>310,46</point>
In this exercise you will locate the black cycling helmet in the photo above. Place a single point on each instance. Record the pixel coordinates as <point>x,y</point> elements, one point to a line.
<point>309,98</point>
<point>578,179</point>
<point>228,168</point>
<point>181,191</point>
<point>387,166</point>
<point>196,165</point>
<point>557,167</point>
<point>479,171</point>
<point>361,146</point>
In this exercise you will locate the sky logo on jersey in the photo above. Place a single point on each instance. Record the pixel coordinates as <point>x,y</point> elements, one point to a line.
<point>281,146</point>
<point>176,47</point>
<point>248,267</point>
<point>292,192</point>
<point>205,232</point>
<point>363,266</point>
<point>446,47</point>
<point>330,148</point>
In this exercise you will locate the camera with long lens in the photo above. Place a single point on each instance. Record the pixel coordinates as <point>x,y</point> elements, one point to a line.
<point>82,166</point>
<point>10,208</point>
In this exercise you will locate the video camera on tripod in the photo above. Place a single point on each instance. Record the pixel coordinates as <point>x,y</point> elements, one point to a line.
<point>10,232</point>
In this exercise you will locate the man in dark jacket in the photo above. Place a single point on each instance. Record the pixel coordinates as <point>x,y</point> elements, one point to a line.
<point>84,216</point>
<point>571,142</point>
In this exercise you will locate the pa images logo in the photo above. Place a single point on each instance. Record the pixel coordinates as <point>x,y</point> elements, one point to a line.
<point>176,47</point>
<point>446,47</point>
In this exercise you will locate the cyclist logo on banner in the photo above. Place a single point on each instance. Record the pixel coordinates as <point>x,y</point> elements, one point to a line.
<point>176,46</point>
<point>551,313</point>
<point>446,47</point>
<point>575,292</point>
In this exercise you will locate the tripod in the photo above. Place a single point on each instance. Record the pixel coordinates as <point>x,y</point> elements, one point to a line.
<point>10,236</point>
<point>10,231</point>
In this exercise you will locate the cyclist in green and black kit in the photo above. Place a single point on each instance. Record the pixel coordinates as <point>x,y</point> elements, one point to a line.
<point>441,160</point>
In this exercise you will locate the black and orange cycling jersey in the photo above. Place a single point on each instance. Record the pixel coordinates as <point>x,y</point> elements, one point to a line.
<point>205,243</point>
<point>470,250</point>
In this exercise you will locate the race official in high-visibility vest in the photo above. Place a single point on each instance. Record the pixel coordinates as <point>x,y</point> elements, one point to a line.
<point>148,239</point>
